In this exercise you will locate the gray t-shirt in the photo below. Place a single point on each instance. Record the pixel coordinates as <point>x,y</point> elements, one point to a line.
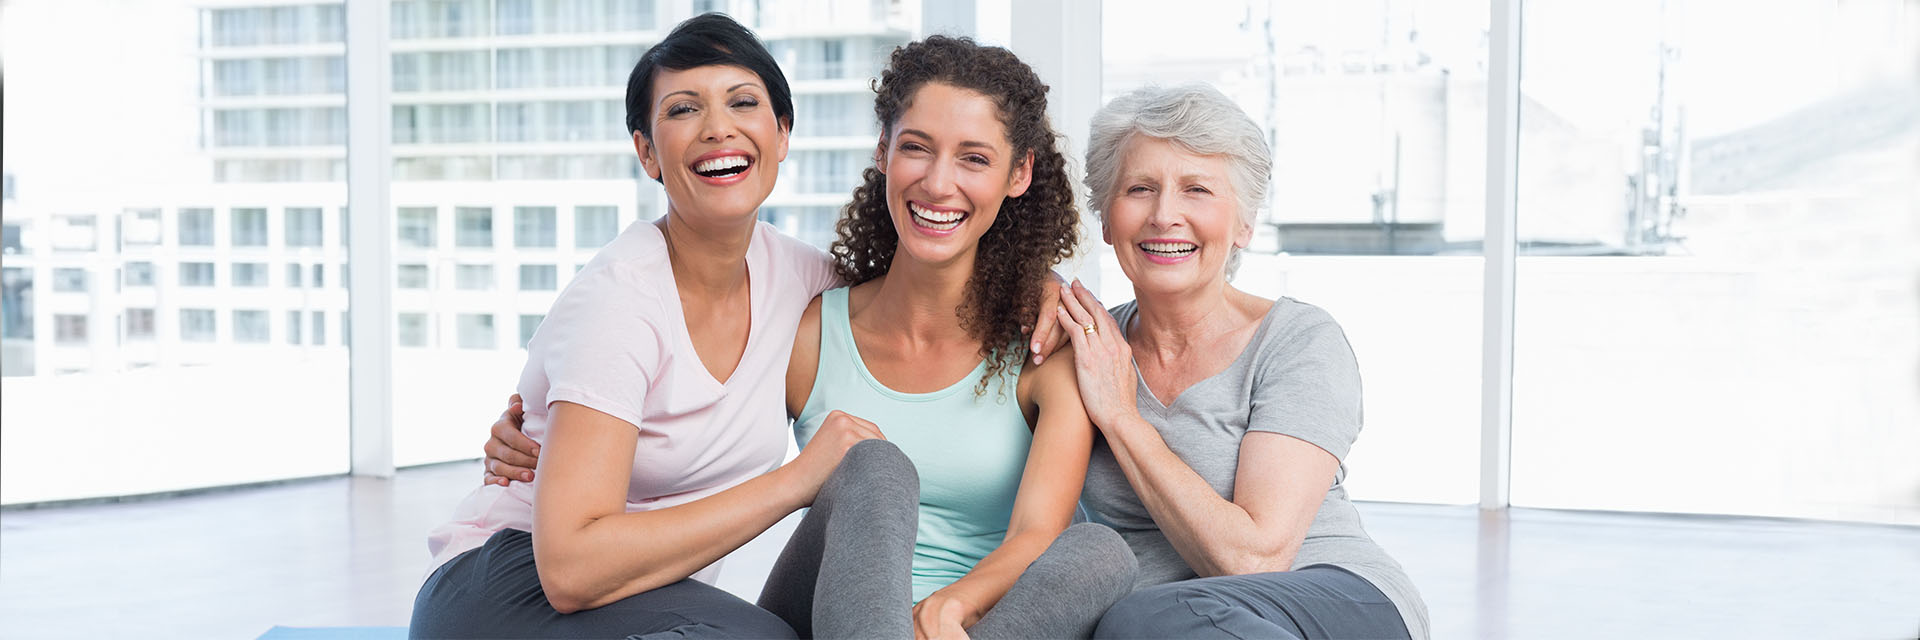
<point>1297,377</point>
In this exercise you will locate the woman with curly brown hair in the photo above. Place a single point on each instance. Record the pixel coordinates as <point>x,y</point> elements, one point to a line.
<point>955,520</point>
<point>946,247</point>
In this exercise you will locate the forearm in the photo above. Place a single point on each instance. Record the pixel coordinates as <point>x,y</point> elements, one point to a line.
<point>592,563</point>
<point>1214,535</point>
<point>995,574</point>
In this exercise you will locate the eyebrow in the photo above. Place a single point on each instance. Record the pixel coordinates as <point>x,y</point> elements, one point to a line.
<point>963,143</point>
<point>696,94</point>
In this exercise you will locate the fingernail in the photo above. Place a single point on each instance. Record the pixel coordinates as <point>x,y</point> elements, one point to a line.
<point>1036,359</point>
<point>526,476</point>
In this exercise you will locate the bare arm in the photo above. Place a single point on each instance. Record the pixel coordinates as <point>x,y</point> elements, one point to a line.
<point>1278,488</point>
<point>1049,491</point>
<point>590,552</point>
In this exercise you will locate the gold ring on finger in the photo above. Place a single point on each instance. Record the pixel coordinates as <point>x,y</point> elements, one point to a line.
<point>1091,328</point>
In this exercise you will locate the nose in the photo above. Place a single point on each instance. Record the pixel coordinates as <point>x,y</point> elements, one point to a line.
<point>939,181</point>
<point>718,126</point>
<point>1166,212</point>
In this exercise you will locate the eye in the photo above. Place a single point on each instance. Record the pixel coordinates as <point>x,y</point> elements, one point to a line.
<point>913,147</point>
<point>977,159</point>
<point>679,109</point>
<point>1197,189</point>
<point>745,102</point>
<point>1139,189</point>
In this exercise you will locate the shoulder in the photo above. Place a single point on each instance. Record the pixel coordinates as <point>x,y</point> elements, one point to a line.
<point>1291,323</point>
<point>1053,378</point>
<point>788,252</point>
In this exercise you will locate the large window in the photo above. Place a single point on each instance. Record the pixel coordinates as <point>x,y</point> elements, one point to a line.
<point>1719,314</point>
<point>1375,114</point>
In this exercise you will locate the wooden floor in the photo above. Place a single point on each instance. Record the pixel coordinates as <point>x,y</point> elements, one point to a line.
<point>342,551</point>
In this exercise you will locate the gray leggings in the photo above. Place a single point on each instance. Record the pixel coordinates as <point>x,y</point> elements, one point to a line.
<point>1317,602</point>
<point>494,592</point>
<point>847,571</point>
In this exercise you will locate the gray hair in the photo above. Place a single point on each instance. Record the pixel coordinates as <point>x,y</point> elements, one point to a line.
<point>1198,118</point>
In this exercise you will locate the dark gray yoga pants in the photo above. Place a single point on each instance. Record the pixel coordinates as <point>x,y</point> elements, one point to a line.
<point>494,592</point>
<point>846,573</point>
<point>1316,602</point>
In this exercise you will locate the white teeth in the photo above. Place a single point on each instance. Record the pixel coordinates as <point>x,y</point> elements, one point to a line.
<point>722,162</point>
<point>1170,248</point>
<point>941,220</point>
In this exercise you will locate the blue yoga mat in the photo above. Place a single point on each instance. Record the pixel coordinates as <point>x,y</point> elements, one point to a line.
<point>335,633</point>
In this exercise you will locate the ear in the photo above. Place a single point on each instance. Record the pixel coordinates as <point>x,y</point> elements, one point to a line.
<point>1022,177</point>
<point>645,149</point>
<point>784,137</point>
<point>880,155</point>
<point>1106,234</point>
<point>1244,236</point>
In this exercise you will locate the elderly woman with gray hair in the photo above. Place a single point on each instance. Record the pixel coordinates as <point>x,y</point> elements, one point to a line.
<point>1224,416</point>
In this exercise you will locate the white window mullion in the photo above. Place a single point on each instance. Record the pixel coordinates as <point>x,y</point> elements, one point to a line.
<point>369,253</point>
<point>1503,153</point>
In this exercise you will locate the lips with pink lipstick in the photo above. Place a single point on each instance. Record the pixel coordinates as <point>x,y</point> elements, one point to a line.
<point>935,220</point>
<point>722,167</point>
<point>1168,251</point>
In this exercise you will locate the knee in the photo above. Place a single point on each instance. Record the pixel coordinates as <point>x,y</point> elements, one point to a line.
<point>876,470</point>
<point>1101,546</point>
<point>1154,612</point>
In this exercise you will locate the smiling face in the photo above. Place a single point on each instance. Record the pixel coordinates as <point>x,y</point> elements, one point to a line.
<point>1174,218</point>
<point>717,145</point>
<point>949,166</point>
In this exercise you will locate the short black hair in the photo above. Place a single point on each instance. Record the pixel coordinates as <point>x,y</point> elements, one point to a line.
<point>703,40</point>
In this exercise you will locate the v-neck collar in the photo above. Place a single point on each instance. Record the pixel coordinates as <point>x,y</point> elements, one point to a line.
<point>1246,352</point>
<point>683,336</point>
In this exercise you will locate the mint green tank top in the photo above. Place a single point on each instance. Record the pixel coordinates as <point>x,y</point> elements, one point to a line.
<point>969,448</point>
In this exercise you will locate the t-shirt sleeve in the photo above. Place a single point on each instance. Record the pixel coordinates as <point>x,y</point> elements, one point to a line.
<point>815,268</point>
<point>602,346</point>
<point>1307,385</point>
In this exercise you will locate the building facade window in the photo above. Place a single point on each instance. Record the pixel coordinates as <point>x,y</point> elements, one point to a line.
<point>417,226</point>
<point>196,227</point>
<point>294,330</point>
<point>296,275</point>
<point>139,323</point>
<point>539,277</point>
<point>196,274</point>
<point>412,276</point>
<point>77,233</point>
<point>138,273</point>
<point>473,277</point>
<point>69,280</point>
<point>410,329</point>
<point>320,275</point>
<point>303,227</point>
<point>16,303</point>
<point>534,227</point>
<point>249,227</point>
<point>197,325</point>
<point>140,228</point>
<point>528,324</point>
<point>249,274</point>
<point>473,227</point>
<point>251,326</point>
<point>594,226</point>
<point>475,330</point>
<point>319,328</point>
<point>69,329</point>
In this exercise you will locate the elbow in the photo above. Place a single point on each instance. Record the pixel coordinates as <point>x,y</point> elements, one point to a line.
<point>1252,561</point>
<point>565,596</point>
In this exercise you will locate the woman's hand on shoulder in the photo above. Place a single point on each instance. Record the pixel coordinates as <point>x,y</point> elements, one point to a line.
<point>1102,360</point>
<point>1046,335</point>
<point>511,455</point>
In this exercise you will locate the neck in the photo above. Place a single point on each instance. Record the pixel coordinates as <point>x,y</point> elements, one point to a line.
<point>708,257</point>
<point>922,300</point>
<point>1167,326</point>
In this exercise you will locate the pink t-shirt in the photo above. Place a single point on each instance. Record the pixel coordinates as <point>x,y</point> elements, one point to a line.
<point>616,341</point>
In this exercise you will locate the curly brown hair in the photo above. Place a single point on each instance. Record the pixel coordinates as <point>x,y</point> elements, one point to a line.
<point>1032,233</point>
